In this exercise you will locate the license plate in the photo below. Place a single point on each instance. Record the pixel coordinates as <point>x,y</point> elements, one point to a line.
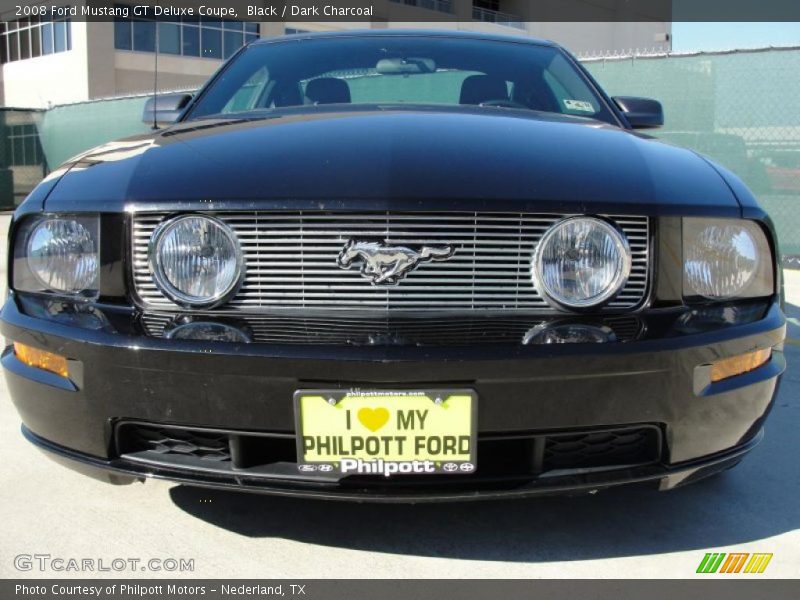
<point>379,432</point>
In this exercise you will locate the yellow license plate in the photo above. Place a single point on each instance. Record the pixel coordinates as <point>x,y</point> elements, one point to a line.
<point>379,432</point>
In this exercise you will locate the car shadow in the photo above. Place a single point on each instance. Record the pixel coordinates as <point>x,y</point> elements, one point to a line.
<point>756,500</point>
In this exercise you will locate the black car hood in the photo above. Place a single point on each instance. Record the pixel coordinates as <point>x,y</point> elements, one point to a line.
<point>393,158</point>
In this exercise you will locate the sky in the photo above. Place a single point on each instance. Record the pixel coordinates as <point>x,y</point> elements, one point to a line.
<point>687,37</point>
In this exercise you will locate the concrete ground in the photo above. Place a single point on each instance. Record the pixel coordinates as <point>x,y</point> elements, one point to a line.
<point>46,509</point>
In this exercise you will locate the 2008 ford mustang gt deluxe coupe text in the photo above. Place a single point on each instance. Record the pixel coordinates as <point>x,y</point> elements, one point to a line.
<point>395,266</point>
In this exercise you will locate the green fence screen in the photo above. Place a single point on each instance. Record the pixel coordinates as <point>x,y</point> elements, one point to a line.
<point>740,108</point>
<point>71,129</point>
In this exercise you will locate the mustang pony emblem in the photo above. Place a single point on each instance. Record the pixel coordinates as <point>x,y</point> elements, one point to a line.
<point>386,264</point>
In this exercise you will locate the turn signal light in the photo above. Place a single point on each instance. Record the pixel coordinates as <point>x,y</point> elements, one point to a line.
<point>737,365</point>
<point>40,359</point>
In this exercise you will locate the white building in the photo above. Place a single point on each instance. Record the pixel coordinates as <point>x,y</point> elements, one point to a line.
<point>51,61</point>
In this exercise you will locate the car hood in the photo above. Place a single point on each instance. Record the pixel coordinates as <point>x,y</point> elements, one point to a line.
<point>393,158</point>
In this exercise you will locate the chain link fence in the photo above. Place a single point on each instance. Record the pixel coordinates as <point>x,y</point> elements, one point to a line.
<point>739,108</point>
<point>22,163</point>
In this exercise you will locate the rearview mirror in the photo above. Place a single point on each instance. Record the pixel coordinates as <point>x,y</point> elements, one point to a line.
<point>405,66</point>
<point>165,109</point>
<point>642,113</point>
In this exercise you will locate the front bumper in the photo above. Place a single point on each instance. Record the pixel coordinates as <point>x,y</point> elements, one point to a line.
<point>120,472</point>
<point>120,374</point>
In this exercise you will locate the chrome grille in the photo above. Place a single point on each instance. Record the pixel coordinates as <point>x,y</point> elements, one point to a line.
<point>291,261</point>
<point>354,330</point>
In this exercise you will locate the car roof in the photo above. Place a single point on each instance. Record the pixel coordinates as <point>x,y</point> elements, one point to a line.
<point>433,33</point>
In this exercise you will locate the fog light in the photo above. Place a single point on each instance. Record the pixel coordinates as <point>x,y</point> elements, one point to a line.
<point>581,262</point>
<point>709,318</point>
<point>569,333</point>
<point>208,331</point>
<point>737,365</point>
<point>74,314</point>
<point>196,260</point>
<point>40,359</point>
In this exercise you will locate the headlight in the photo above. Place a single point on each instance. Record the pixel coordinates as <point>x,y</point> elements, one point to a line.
<point>196,260</point>
<point>725,258</point>
<point>58,255</point>
<point>581,262</point>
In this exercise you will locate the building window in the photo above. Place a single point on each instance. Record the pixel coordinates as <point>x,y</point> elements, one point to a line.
<point>487,4</point>
<point>34,36</point>
<point>22,146</point>
<point>489,12</point>
<point>199,37</point>
<point>294,31</point>
<point>144,36</point>
<point>445,6</point>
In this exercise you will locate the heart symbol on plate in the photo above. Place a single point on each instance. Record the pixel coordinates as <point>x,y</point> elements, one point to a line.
<point>373,418</point>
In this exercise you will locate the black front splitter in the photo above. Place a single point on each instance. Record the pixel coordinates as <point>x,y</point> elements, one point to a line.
<point>121,472</point>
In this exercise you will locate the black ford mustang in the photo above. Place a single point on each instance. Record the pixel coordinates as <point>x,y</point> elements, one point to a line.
<point>397,266</point>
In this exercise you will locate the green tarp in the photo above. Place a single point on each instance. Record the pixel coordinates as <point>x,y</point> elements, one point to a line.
<point>741,109</point>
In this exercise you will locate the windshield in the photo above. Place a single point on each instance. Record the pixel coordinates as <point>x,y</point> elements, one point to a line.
<point>401,70</point>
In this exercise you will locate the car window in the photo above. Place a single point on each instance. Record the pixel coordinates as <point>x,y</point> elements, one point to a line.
<point>367,86</point>
<point>247,96</point>
<point>571,93</point>
<point>401,70</point>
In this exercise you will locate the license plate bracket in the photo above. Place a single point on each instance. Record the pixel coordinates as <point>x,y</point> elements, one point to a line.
<point>348,432</point>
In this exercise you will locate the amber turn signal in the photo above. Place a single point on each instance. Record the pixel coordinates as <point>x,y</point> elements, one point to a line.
<point>47,361</point>
<point>736,365</point>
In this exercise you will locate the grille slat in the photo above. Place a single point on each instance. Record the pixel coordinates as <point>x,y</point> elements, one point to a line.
<point>291,261</point>
<point>344,330</point>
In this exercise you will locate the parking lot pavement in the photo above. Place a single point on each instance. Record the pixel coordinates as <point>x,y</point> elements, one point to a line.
<point>46,509</point>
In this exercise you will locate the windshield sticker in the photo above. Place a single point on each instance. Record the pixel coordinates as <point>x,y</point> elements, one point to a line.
<point>580,105</point>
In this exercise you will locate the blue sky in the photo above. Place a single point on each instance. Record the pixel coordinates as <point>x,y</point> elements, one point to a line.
<point>727,36</point>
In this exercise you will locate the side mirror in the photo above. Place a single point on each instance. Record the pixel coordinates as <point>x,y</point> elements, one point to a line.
<point>642,113</point>
<point>164,109</point>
